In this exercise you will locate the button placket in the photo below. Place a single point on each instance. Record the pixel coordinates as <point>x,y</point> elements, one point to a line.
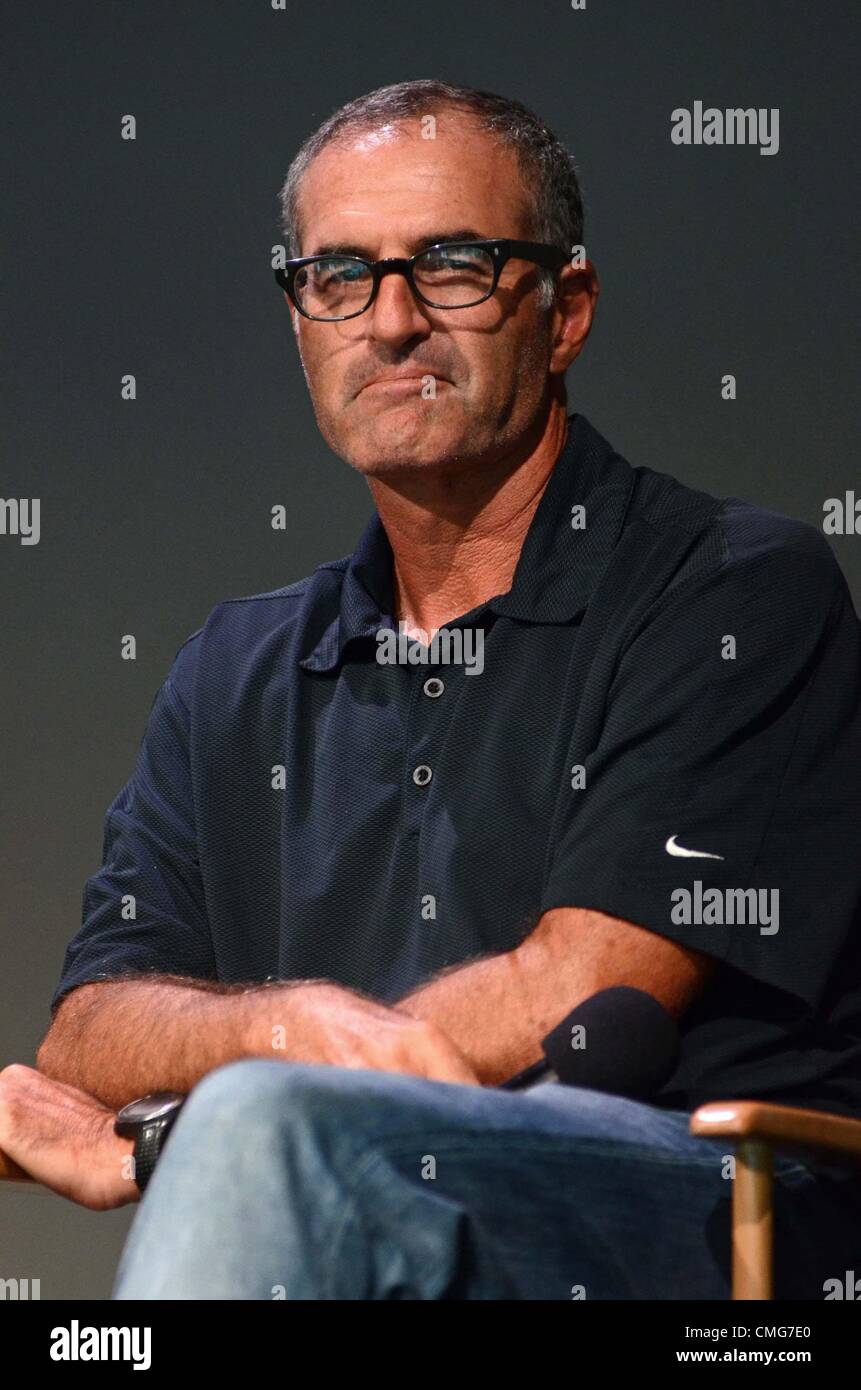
<point>425,740</point>
<point>432,687</point>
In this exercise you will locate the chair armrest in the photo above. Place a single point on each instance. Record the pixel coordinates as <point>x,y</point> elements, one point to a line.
<point>787,1127</point>
<point>10,1172</point>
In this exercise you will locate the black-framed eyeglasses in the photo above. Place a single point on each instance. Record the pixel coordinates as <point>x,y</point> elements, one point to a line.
<point>450,275</point>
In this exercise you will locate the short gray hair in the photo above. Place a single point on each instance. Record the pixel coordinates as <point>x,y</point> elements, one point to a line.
<point>549,171</point>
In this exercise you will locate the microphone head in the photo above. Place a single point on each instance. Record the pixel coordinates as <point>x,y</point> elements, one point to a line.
<point>620,1040</point>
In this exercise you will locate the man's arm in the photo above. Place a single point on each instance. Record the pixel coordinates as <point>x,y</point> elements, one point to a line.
<point>498,1009</point>
<point>480,1022</point>
<point>484,1021</point>
<point>116,1040</point>
<point>119,1039</point>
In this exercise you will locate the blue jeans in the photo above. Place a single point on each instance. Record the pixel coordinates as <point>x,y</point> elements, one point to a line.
<point>284,1180</point>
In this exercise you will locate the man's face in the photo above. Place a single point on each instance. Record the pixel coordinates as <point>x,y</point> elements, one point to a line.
<point>388,192</point>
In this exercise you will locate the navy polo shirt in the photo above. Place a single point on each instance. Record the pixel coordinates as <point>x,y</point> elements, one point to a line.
<point>666,728</point>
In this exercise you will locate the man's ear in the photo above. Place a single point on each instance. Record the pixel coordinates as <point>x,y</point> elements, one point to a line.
<point>577,293</point>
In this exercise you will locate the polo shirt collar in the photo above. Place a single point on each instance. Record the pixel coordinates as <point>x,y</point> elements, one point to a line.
<point>558,567</point>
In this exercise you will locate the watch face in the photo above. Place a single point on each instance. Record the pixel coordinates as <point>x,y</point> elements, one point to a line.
<point>148,1108</point>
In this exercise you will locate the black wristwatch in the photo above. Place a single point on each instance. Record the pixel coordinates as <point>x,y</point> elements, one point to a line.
<point>148,1121</point>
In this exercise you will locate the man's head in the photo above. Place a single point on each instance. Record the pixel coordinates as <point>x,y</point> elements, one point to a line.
<point>388,174</point>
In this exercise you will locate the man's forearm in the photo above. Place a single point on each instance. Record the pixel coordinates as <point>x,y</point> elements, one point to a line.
<point>123,1038</point>
<point>498,1009</point>
<point>485,1007</point>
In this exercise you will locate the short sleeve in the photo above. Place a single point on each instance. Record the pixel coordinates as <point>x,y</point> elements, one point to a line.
<point>144,910</point>
<point>729,759</point>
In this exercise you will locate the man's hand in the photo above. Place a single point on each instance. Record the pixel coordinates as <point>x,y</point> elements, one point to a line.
<point>65,1139</point>
<point>321,1022</point>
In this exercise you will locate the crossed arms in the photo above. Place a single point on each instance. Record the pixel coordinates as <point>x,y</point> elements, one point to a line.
<point>477,1023</point>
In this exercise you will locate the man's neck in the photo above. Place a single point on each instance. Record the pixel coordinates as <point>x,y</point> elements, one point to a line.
<point>457,537</point>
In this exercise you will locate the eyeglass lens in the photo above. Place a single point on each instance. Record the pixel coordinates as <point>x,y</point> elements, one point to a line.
<point>450,277</point>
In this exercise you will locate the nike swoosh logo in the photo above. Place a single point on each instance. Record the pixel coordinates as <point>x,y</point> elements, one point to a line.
<point>681,853</point>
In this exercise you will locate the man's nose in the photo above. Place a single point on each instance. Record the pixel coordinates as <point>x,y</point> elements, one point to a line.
<point>396,314</point>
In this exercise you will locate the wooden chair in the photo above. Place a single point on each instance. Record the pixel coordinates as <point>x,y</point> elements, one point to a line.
<point>755,1129</point>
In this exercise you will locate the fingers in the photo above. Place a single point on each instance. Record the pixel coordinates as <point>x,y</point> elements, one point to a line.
<point>424,1050</point>
<point>413,1048</point>
<point>324,1023</point>
<point>63,1138</point>
<point>451,1065</point>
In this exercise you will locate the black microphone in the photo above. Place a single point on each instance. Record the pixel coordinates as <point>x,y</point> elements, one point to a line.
<point>620,1040</point>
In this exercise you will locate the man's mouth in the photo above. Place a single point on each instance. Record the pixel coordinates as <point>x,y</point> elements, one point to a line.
<point>402,385</point>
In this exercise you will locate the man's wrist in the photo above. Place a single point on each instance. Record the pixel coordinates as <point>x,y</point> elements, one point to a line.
<point>273,1012</point>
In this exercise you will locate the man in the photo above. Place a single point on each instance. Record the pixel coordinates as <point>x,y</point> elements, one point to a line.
<point>373,885</point>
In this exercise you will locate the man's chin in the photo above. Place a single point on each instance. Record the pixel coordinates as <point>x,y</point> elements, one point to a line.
<point>391,461</point>
<point>388,437</point>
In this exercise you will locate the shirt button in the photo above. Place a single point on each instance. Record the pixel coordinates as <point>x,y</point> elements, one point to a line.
<point>422,775</point>
<point>433,687</point>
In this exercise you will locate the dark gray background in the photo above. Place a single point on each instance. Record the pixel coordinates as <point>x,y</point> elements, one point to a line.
<point>152,257</point>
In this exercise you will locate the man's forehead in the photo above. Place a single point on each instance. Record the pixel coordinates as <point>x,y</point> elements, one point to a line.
<point>432,132</point>
<point>384,169</point>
